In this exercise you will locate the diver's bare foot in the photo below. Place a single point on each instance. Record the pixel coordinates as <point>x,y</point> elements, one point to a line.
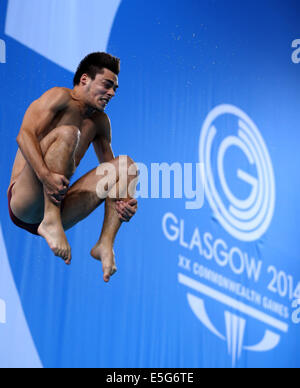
<point>54,234</point>
<point>105,254</point>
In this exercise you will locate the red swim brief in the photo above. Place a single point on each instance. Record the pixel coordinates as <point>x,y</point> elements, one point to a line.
<point>31,228</point>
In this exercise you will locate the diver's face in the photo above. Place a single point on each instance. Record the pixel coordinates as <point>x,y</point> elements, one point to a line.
<point>102,89</point>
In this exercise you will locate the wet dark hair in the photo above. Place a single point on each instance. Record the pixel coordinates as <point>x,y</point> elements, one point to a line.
<point>95,63</point>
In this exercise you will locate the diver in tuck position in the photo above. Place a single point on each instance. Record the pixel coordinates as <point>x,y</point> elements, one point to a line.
<point>56,132</point>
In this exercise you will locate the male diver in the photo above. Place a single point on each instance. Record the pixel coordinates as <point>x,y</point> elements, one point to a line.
<point>56,132</point>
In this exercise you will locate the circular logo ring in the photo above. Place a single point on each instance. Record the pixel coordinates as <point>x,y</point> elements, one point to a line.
<point>246,220</point>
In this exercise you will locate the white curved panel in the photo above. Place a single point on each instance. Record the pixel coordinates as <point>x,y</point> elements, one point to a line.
<point>17,346</point>
<point>63,31</point>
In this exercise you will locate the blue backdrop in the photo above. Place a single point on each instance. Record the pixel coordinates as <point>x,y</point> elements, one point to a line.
<point>201,81</point>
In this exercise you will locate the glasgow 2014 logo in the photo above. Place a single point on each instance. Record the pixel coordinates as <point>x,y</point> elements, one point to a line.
<point>245,219</point>
<point>240,189</point>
